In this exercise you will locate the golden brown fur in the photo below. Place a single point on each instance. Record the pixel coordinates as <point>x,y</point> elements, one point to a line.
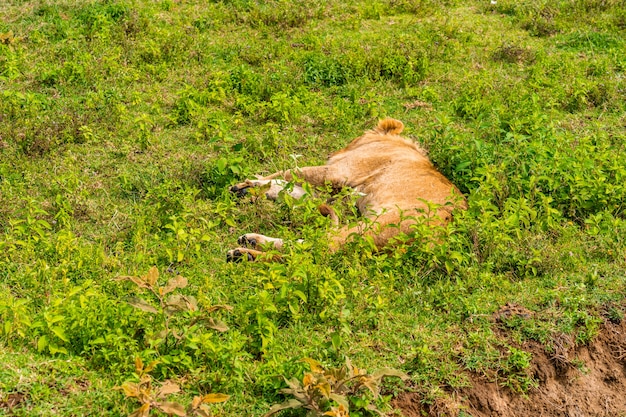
<point>396,179</point>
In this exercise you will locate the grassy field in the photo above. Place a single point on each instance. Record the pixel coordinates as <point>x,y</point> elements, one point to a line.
<point>124,122</point>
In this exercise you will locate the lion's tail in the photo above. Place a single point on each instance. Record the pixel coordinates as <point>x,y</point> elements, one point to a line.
<point>390,126</point>
<point>330,212</point>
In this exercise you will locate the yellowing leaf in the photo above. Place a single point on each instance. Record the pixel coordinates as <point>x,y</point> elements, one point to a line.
<point>130,389</point>
<point>151,366</point>
<point>7,38</point>
<point>138,364</point>
<point>314,365</point>
<point>307,380</point>
<point>143,411</point>
<point>324,388</point>
<point>340,411</point>
<point>215,398</point>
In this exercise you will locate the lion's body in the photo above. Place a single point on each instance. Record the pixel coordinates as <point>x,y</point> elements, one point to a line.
<point>396,181</point>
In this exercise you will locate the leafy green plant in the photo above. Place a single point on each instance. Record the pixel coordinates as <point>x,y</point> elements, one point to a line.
<point>167,306</point>
<point>332,392</point>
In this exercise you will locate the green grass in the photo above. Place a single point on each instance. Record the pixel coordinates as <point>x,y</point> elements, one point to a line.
<point>123,123</point>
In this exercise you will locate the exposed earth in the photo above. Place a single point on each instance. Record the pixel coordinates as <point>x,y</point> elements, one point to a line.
<point>574,381</point>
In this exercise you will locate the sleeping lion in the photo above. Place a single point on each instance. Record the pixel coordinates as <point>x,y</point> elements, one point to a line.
<point>392,175</point>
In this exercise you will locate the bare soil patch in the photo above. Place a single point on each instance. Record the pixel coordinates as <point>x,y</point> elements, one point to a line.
<point>574,381</point>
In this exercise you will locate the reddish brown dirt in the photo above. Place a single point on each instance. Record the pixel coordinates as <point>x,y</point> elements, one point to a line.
<point>582,381</point>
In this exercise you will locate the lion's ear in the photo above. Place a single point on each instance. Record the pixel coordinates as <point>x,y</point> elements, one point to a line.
<point>390,126</point>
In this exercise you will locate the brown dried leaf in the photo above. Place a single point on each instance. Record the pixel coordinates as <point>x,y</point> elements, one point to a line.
<point>195,403</point>
<point>152,276</point>
<point>295,404</point>
<point>142,305</point>
<point>167,388</point>
<point>203,411</point>
<point>219,307</point>
<point>293,384</point>
<point>372,385</point>
<point>172,408</point>
<point>174,304</point>
<point>218,325</point>
<point>136,280</point>
<point>386,372</point>
<point>373,408</point>
<point>172,284</point>
<point>192,303</point>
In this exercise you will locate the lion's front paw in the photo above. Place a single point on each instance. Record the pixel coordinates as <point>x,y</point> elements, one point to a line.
<point>242,188</point>
<point>238,255</point>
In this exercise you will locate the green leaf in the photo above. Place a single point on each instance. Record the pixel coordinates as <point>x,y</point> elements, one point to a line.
<point>300,295</point>
<point>60,333</point>
<point>54,349</point>
<point>97,341</point>
<point>42,343</point>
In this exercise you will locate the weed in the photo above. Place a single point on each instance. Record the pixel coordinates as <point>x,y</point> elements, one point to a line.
<point>151,397</point>
<point>332,392</point>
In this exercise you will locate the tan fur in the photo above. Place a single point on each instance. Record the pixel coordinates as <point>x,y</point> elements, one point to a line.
<point>397,180</point>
